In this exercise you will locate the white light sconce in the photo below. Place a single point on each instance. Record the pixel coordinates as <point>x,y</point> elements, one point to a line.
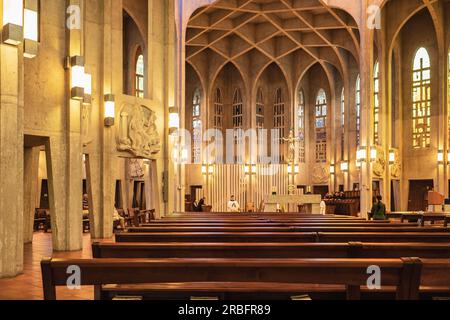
<point>373,154</point>
<point>87,99</point>
<point>174,120</point>
<point>207,169</point>
<point>293,169</point>
<point>344,166</point>
<point>440,157</point>
<point>12,32</point>
<point>77,77</point>
<point>448,156</point>
<point>110,109</point>
<point>30,28</point>
<point>361,155</point>
<point>250,169</point>
<point>332,169</point>
<point>392,158</point>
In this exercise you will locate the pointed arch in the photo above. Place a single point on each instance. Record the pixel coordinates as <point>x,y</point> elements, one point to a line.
<point>259,109</point>
<point>197,127</point>
<point>218,109</point>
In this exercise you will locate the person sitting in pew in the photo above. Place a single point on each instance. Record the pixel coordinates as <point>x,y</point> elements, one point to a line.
<point>117,219</point>
<point>379,209</point>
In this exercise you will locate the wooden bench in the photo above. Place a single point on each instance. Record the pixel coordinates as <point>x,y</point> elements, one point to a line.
<point>270,250</point>
<point>403,273</point>
<point>298,228</point>
<point>422,218</point>
<point>324,237</point>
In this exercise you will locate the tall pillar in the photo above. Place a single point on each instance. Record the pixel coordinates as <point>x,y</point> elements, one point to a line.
<point>366,70</point>
<point>11,161</point>
<point>30,188</point>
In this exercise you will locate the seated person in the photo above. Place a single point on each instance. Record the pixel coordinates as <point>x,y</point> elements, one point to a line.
<point>378,211</point>
<point>117,218</point>
<point>233,205</point>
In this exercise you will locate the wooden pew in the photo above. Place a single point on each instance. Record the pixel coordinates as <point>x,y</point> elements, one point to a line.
<point>403,273</point>
<point>324,237</point>
<point>297,228</point>
<point>270,250</point>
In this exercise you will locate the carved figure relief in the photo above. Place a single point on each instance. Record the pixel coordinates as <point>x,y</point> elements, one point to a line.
<point>380,163</point>
<point>396,167</point>
<point>136,167</point>
<point>320,174</point>
<point>138,134</point>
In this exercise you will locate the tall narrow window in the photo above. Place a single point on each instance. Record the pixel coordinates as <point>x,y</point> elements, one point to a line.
<point>342,124</point>
<point>196,128</point>
<point>358,111</point>
<point>301,126</point>
<point>139,85</point>
<point>321,126</point>
<point>218,110</point>
<point>259,109</point>
<point>278,117</point>
<point>376,103</point>
<point>238,106</point>
<point>278,112</point>
<point>421,97</point>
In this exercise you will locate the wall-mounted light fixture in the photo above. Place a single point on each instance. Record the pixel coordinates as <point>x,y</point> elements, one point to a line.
<point>448,156</point>
<point>78,78</point>
<point>332,169</point>
<point>87,99</point>
<point>293,169</point>
<point>110,109</point>
<point>250,169</point>
<point>440,157</point>
<point>361,155</point>
<point>392,158</point>
<point>207,169</point>
<point>12,32</point>
<point>373,154</point>
<point>30,28</point>
<point>174,120</point>
<point>344,166</point>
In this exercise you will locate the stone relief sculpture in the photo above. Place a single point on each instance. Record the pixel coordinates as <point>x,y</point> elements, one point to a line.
<point>138,134</point>
<point>396,167</point>
<point>379,165</point>
<point>320,174</point>
<point>136,168</point>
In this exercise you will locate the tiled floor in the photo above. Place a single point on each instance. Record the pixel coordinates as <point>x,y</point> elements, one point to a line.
<point>28,286</point>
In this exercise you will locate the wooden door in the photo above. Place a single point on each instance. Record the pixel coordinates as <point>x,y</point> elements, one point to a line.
<point>418,192</point>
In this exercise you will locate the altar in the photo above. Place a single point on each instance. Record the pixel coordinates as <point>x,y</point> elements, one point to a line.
<point>274,203</point>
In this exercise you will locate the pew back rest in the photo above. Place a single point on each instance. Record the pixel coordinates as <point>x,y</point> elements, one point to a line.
<point>402,273</point>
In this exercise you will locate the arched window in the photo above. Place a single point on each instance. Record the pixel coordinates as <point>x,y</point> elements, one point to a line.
<point>376,103</point>
<point>278,112</point>
<point>218,110</point>
<point>342,124</point>
<point>421,98</point>
<point>196,128</point>
<point>238,108</point>
<point>321,126</point>
<point>259,109</point>
<point>358,111</point>
<point>448,92</point>
<point>139,81</point>
<point>301,126</point>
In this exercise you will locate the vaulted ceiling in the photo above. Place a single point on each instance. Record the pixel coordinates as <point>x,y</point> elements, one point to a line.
<point>252,34</point>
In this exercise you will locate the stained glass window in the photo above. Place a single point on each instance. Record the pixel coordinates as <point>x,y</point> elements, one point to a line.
<point>321,126</point>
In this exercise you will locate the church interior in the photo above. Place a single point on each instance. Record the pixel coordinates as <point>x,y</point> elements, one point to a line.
<point>224,149</point>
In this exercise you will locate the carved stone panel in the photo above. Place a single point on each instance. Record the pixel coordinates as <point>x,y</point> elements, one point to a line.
<point>396,167</point>
<point>138,134</point>
<point>320,174</point>
<point>379,165</point>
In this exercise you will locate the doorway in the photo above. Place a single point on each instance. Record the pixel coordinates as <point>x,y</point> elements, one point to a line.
<point>395,195</point>
<point>322,190</point>
<point>418,192</point>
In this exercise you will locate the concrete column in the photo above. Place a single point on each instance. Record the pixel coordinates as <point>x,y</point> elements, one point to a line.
<point>366,69</point>
<point>11,161</point>
<point>30,188</point>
